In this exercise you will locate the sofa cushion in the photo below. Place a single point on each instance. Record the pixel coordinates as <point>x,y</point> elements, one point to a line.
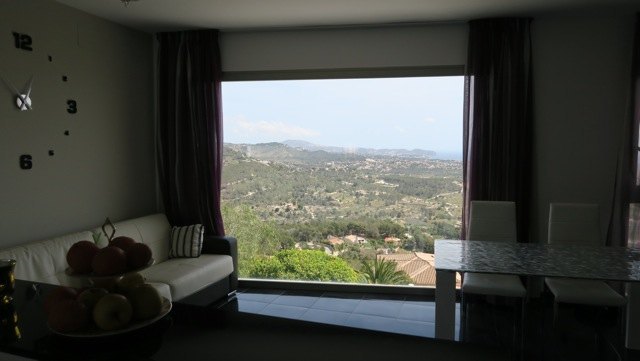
<point>186,241</point>
<point>45,261</point>
<point>153,230</point>
<point>189,275</point>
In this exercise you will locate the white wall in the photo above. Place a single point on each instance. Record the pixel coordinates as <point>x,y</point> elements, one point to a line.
<point>582,74</point>
<point>105,167</point>
<point>581,77</point>
<point>347,48</point>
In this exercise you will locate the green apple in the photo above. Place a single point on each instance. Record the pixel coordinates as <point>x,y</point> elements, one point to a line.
<point>146,301</point>
<point>91,296</point>
<point>112,312</point>
<point>129,282</point>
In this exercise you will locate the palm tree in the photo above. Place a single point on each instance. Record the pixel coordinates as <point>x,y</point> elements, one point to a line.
<point>382,271</point>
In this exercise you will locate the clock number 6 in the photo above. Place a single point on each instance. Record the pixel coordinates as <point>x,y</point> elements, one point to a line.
<point>22,41</point>
<point>72,106</point>
<point>26,161</point>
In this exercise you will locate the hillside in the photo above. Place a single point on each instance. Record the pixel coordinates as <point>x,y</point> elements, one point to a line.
<point>278,152</point>
<point>413,153</point>
<point>278,197</point>
<point>289,185</point>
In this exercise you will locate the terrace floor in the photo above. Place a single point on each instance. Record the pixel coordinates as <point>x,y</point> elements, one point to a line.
<point>489,321</point>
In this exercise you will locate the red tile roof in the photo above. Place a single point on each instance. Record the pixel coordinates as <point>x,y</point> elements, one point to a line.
<point>418,265</point>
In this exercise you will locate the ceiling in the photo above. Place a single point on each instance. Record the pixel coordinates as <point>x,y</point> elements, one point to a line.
<point>164,15</point>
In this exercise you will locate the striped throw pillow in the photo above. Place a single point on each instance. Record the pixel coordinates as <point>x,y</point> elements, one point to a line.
<point>186,241</point>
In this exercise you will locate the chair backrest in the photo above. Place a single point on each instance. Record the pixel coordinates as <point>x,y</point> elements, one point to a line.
<point>575,223</point>
<point>492,221</point>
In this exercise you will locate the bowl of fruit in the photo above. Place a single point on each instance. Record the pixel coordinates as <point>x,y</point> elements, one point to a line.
<point>96,312</point>
<point>122,255</point>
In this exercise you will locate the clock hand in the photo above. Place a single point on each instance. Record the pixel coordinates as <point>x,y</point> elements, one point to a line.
<point>13,89</point>
<point>22,97</point>
<point>29,86</point>
<point>25,97</point>
<point>7,83</point>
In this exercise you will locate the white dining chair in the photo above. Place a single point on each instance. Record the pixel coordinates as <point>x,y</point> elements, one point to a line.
<point>493,221</point>
<point>578,224</point>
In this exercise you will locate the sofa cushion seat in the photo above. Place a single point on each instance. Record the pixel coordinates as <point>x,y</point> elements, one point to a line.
<point>188,275</point>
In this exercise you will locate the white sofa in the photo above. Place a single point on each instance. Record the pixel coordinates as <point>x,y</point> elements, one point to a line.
<point>211,276</point>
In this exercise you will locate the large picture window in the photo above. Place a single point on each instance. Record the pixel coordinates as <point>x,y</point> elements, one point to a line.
<point>342,180</point>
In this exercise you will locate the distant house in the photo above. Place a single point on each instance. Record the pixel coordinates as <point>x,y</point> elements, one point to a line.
<point>355,239</point>
<point>334,241</point>
<point>419,266</point>
<point>392,241</point>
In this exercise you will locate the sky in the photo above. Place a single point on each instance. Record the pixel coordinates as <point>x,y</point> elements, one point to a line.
<point>406,113</point>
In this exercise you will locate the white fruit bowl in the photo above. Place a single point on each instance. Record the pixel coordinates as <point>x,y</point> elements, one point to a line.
<point>94,331</point>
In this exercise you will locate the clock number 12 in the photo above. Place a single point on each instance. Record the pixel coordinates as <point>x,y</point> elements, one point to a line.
<point>22,41</point>
<point>72,106</point>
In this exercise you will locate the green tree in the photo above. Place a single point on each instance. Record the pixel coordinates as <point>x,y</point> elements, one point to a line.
<point>389,228</point>
<point>443,230</point>
<point>306,265</point>
<point>255,236</point>
<point>382,271</point>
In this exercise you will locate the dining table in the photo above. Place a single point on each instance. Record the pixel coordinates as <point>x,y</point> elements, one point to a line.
<point>604,263</point>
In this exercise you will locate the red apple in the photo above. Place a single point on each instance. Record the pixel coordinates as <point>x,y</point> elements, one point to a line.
<point>80,256</point>
<point>68,316</point>
<point>109,261</point>
<point>122,242</point>
<point>58,294</point>
<point>112,312</point>
<point>138,255</point>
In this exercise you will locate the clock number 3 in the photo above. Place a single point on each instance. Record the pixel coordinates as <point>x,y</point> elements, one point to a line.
<point>22,41</point>
<point>26,161</point>
<point>72,106</point>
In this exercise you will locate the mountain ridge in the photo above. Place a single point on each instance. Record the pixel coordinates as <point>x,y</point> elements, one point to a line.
<point>397,152</point>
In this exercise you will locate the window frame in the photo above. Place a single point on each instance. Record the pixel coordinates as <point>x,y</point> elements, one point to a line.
<point>349,73</point>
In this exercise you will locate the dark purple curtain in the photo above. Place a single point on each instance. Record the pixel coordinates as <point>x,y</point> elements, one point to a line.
<point>190,128</point>
<point>497,117</point>
<point>627,189</point>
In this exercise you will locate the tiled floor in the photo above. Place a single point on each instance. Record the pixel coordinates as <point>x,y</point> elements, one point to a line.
<point>411,315</point>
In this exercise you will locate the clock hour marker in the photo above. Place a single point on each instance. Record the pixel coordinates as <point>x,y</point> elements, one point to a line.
<point>22,41</point>
<point>64,78</point>
<point>66,132</point>
<point>26,161</point>
<point>50,58</point>
<point>72,106</point>
<point>51,152</point>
